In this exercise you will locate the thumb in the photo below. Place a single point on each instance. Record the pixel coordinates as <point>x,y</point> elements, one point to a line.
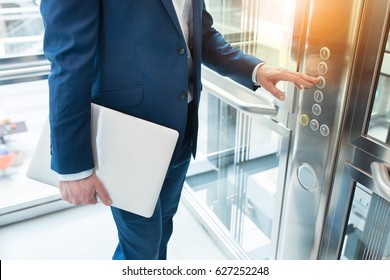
<point>102,193</point>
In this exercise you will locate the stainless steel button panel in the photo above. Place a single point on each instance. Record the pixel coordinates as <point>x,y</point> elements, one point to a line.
<point>319,96</point>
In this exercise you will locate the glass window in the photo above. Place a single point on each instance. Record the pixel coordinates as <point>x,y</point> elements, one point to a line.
<point>379,125</point>
<point>21,28</point>
<point>367,235</point>
<point>262,28</point>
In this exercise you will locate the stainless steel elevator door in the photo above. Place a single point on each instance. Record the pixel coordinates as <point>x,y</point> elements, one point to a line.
<point>357,224</point>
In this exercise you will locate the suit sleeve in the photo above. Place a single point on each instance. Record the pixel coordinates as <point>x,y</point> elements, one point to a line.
<point>70,40</point>
<point>220,56</point>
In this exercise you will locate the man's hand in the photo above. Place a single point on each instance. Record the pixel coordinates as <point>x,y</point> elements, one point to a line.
<point>84,191</point>
<point>268,76</point>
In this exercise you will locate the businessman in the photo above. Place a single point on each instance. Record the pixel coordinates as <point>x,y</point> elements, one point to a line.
<point>143,58</point>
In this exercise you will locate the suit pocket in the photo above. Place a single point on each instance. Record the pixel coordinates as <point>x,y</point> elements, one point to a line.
<point>121,97</point>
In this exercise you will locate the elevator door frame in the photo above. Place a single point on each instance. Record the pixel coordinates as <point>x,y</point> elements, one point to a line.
<point>357,150</point>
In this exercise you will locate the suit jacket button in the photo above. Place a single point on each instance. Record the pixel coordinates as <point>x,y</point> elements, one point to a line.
<point>181,51</point>
<point>182,96</point>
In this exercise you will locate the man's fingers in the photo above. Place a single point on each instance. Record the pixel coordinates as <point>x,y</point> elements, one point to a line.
<point>270,87</point>
<point>103,194</point>
<point>300,79</point>
<point>84,191</point>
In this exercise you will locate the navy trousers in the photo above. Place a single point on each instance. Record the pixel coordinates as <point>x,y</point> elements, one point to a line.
<point>143,238</point>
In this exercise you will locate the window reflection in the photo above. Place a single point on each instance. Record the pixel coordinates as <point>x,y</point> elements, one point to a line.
<point>367,233</point>
<point>379,126</point>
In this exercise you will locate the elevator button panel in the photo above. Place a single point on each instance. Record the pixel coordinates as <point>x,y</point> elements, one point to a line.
<point>316,118</point>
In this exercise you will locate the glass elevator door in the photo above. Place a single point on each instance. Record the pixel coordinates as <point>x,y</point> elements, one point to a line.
<point>235,185</point>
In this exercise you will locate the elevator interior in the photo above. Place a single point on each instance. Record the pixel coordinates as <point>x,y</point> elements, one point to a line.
<point>272,180</point>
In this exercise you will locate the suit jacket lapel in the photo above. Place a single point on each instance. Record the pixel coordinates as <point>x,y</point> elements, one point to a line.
<point>172,13</point>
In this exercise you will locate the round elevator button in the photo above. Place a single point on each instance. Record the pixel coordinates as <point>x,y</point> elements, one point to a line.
<point>307,176</point>
<point>322,68</point>
<point>304,119</point>
<point>322,83</point>
<point>325,53</point>
<point>314,125</point>
<point>318,96</point>
<point>316,109</point>
<point>324,130</point>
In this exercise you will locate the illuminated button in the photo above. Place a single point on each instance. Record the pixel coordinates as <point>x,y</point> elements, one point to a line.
<point>314,125</point>
<point>307,176</point>
<point>318,96</point>
<point>324,130</point>
<point>322,83</point>
<point>322,68</point>
<point>304,120</point>
<point>316,109</point>
<point>325,53</point>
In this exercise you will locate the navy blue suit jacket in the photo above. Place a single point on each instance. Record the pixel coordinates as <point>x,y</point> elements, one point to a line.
<point>129,55</point>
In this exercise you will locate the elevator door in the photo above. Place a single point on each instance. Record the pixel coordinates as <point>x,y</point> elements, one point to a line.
<point>367,232</point>
<point>358,221</point>
<point>235,185</point>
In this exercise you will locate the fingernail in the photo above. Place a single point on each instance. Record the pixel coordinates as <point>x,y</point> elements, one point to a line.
<point>109,202</point>
<point>282,97</point>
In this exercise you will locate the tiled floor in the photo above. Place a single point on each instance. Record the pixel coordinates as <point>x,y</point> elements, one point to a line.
<point>88,233</point>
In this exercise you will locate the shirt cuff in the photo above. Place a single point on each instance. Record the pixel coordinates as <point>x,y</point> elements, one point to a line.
<point>75,176</point>
<point>254,80</point>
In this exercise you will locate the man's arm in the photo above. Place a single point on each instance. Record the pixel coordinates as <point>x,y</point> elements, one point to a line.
<point>70,42</point>
<point>220,56</point>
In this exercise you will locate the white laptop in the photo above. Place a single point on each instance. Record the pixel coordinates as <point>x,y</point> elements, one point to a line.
<point>131,158</point>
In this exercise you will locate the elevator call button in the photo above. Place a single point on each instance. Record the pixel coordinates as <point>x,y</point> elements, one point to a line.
<point>316,109</point>
<point>325,53</point>
<point>322,68</point>
<point>318,96</point>
<point>307,176</point>
<point>324,130</point>
<point>304,120</point>
<point>314,125</point>
<point>322,83</point>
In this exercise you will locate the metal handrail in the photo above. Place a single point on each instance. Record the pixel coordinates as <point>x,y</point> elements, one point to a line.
<point>235,95</point>
<point>24,68</point>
